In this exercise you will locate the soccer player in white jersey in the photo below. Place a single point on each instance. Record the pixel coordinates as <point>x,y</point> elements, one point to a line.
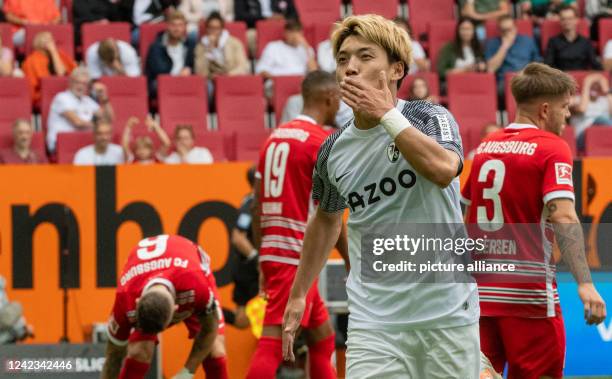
<point>396,162</point>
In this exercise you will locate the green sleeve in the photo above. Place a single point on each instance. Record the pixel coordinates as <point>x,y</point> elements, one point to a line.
<point>446,60</point>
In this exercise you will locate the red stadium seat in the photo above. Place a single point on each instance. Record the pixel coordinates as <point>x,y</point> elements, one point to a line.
<point>472,99</point>
<point>440,33</point>
<point>320,11</point>
<point>248,145</point>
<point>423,12</point>
<point>66,10</point>
<point>240,103</point>
<point>580,75</point>
<point>6,34</point>
<point>93,32</point>
<point>69,143</point>
<point>49,87</point>
<point>385,8</point>
<point>128,96</point>
<point>431,78</point>
<point>524,27</point>
<point>63,35</point>
<point>217,142</point>
<point>38,143</point>
<point>148,34</point>
<point>317,33</point>
<point>182,100</point>
<point>598,141</point>
<point>509,99</point>
<point>569,136</point>
<point>551,28</point>
<point>605,33</point>
<point>267,31</point>
<point>14,103</point>
<point>284,86</point>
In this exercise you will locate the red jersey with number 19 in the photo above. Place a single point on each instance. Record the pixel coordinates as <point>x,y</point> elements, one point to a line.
<point>285,169</point>
<point>515,172</point>
<point>175,262</point>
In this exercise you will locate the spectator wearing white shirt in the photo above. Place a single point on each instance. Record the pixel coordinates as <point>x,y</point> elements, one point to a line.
<point>325,55</point>
<point>607,56</point>
<point>185,149</point>
<point>112,57</point>
<point>419,59</point>
<point>74,110</point>
<point>102,152</point>
<point>290,56</point>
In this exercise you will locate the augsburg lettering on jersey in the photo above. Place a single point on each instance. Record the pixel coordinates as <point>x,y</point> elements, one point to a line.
<point>507,147</point>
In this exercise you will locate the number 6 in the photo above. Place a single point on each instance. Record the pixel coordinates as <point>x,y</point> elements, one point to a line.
<point>158,243</point>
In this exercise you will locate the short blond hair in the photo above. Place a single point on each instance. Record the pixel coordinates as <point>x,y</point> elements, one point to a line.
<point>380,31</point>
<point>38,43</point>
<point>539,81</point>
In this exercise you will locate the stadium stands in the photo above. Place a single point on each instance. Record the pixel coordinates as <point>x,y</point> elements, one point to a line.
<point>69,143</point>
<point>94,32</point>
<point>431,78</point>
<point>311,12</point>
<point>386,8</point>
<point>551,28</point>
<point>508,98</point>
<point>580,75</point>
<point>605,33</point>
<point>268,31</point>
<point>524,27</point>
<point>182,100</point>
<point>598,141</point>
<point>128,96</point>
<point>422,13</point>
<point>63,34</point>
<point>6,35</point>
<point>440,33</point>
<point>14,103</point>
<point>247,145</point>
<point>220,144</point>
<point>237,29</point>
<point>148,33</point>
<point>50,87</point>
<point>240,103</point>
<point>284,86</point>
<point>569,136</point>
<point>316,33</point>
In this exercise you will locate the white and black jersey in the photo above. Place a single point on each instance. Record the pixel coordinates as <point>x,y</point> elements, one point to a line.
<point>364,171</point>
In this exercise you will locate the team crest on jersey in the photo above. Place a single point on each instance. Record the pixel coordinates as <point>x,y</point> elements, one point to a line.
<point>563,172</point>
<point>393,152</point>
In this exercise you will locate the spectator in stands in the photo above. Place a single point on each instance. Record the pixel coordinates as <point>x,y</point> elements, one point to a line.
<point>142,150</point>
<point>593,106</point>
<point>29,12</point>
<point>484,10</point>
<point>21,152</point>
<point>509,52</point>
<point>171,53</point>
<point>325,55</point>
<point>101,11</point>
<point>196,11</point>
<point>139,12</point>
<point>112,57</point>
<point>464,54</point>
<point>219,53</point>
<point>570,50</point>
<point>419,90</point>
<point>607,56</point>
<point>596,10</point>
<point>185,149</point>
<point>45,60</point>
<point>486,131</point>
<point>419,59</point>
<point>539,10</point>
<point>7,60</point>
<point>290,56</point>
<point>103,152</point>
<point>251,11</point>
<point>74,110</point>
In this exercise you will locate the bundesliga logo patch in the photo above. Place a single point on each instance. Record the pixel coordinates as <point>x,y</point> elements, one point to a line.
<point>563,173</point>
<point>393,152</point>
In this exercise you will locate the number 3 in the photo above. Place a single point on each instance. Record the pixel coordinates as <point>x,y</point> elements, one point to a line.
<point>499,172</point>
<point>158,244</point>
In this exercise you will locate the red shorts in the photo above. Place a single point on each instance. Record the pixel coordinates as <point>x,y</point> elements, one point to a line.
<point>278,281</point>
<point>533,347</point>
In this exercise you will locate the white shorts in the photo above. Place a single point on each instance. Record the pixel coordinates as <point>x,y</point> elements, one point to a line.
<point>414,354</point>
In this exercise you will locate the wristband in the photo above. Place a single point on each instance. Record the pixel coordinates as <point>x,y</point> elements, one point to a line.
<point>394,122</point>
<point>252,255</point>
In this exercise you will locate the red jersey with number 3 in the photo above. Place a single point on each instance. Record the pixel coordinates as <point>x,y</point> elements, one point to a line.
<point>515,172</point>
<point>286,164</point>
<point>173,261</point>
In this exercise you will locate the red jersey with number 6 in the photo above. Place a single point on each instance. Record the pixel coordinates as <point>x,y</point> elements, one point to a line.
<point>175,262</point>
<point>286,164</point>
<point>515,172</point>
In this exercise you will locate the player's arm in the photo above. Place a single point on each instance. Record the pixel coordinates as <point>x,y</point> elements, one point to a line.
<point>203,341</point>
<point>342,247</point>
<point>570,239</point>
<point>321,234</point>
<point>256,214</point>
<point>113,359</point>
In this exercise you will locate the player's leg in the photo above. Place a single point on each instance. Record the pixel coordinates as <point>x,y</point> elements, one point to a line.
<point>491,342</point>
<point>374,354</point>
<point>138,359</point>
<point>535,347</point>
<point>450,352</point>
<point>246,287</point>
<point>215,364</point>
<point>320,336</point>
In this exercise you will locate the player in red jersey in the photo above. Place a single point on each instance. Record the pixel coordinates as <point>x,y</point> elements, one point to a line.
<point>166,280</point>
<point>523,175</point>
<point>282,205</point>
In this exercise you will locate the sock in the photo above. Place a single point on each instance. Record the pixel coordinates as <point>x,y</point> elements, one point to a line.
<point>229,316</point>
<point>133,369</point>
<point>215,368</point>
<point>319,357</point>
<point>266,359</point>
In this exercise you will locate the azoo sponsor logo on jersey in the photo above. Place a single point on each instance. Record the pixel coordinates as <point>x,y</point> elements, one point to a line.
<point>387,187</point>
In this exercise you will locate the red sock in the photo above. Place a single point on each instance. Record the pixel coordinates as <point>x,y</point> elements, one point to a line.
<point>267,358</point>
<point>133,369</point>
<point>215,368</point>
<point>319,358</point>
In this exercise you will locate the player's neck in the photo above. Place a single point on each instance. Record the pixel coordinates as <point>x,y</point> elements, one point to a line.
<point>315,114</point>
<point>527,119</point>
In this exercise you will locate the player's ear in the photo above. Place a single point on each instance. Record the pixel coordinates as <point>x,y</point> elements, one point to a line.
<point>397,71</point>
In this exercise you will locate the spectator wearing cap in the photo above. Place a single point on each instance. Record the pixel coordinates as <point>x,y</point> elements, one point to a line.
<point>21,152</point>
<point>102,152</point>
<point>20,13</point>
<point>112,57</point>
